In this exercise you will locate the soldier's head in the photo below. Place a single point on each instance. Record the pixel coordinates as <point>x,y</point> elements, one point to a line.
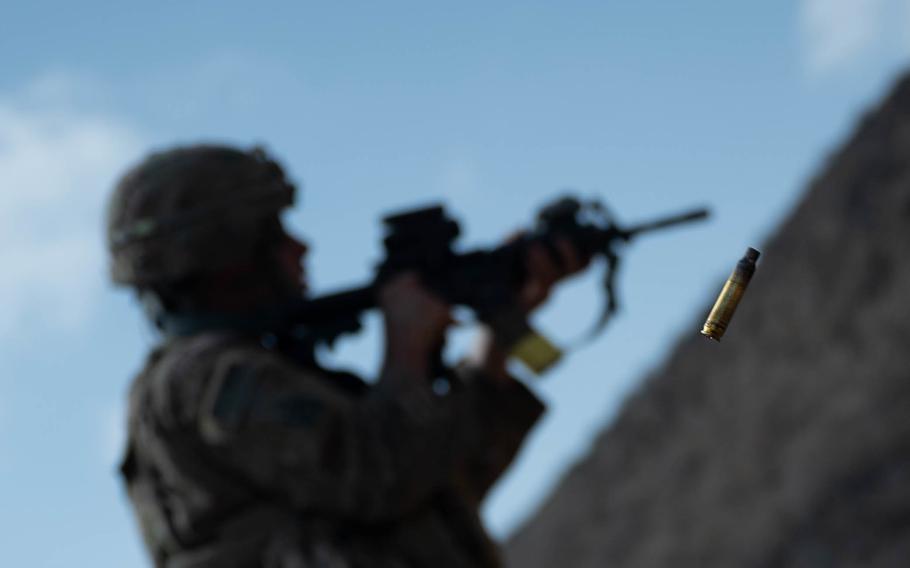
<point>200,228</point>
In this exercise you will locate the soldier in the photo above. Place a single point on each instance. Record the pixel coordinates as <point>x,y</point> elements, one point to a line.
<point>242,451</point>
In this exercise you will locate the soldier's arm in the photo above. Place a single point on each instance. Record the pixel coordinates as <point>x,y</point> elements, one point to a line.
<point>502,408</point>
<point>504,412</point>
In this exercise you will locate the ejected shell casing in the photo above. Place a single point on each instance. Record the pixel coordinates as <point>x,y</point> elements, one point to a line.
<point>729,297</point>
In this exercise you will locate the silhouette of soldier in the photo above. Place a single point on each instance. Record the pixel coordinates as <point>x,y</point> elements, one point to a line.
<point>242,451</point>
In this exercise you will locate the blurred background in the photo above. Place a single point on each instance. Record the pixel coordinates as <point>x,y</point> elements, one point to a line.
<point>491,108</point>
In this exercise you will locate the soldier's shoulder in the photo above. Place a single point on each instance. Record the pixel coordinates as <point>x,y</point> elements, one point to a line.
<point>191,358</point>
<point>177,374</point>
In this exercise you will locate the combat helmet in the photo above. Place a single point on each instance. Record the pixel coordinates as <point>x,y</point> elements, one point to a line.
<point>192,210</point>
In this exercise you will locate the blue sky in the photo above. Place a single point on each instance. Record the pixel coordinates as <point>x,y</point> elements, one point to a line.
<point>492,108</point>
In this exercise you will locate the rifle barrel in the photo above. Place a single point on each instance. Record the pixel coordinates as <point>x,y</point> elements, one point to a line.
<point>688,217</point>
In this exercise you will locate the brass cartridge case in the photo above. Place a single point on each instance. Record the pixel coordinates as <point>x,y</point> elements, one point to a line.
<point>732,292</point>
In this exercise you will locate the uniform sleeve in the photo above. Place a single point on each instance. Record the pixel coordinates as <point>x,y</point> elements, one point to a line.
<point>504,414</point>
<point>296,437</point>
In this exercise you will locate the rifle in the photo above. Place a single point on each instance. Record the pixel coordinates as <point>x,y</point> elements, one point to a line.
<point>485,280</point>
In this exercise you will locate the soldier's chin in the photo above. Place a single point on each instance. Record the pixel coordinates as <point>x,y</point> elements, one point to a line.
<point>303,287</point>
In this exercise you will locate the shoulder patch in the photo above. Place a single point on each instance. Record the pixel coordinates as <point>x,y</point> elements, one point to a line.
<point>235,396</point>
<point>247,394</point>
<point>228,402</point>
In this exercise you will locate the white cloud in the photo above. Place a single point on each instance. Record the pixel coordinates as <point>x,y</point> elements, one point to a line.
<point>57,165</point>
<point>840,33</point>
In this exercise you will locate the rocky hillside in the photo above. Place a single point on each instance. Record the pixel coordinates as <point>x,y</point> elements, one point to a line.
<point>789,443</point>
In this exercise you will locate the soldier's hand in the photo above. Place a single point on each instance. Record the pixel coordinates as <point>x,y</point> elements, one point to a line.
<point>415,324</point>
<point>544,271</point>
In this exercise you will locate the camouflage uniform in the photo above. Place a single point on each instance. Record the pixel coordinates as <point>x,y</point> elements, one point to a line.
<point>238,456</point>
